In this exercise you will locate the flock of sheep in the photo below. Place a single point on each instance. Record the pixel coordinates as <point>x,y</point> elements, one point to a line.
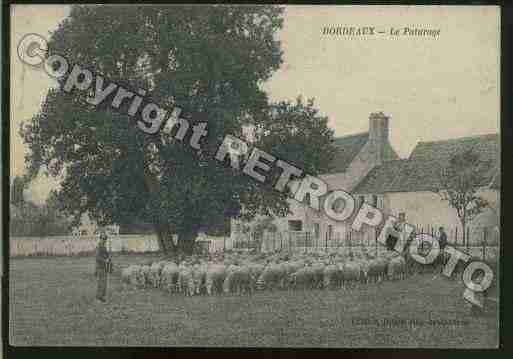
<point>243,273</point>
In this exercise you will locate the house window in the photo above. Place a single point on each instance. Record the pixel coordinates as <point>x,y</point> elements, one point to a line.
<point>402,217</point>
<point>295,225</point>
<point>316,230</point>
<point>375,201</point>
<point>307,199</point>
<point>381,202</point>
<point>330,232</point>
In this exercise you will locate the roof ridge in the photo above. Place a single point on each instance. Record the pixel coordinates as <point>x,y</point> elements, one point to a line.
<point>461,138</point>
<point>351,135</point>
<point>391,162</point>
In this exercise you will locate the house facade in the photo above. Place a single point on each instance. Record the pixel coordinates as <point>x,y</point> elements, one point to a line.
<point>409,186</point>
<point>367,166</point>
<point>356,156</point>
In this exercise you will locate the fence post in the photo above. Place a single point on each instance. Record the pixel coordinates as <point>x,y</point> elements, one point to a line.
<point>468,238</point>
<point>484,243</point>
<point>456,242</point>
<point>376,241</point>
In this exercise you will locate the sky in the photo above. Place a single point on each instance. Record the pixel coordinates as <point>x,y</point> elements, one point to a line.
<point>432,88</point>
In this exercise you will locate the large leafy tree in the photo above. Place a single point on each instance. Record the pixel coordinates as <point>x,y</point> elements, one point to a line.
<point>210,61</point>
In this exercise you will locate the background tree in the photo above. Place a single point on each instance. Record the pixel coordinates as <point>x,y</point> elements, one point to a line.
<point>29,219</point>
<point>19,184</point>
<point>460,181</point>
<point>210,61</point>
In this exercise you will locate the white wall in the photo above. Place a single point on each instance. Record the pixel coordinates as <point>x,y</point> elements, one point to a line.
<point>427,208</point>
<point>71,245</point>
<point>364,161</point>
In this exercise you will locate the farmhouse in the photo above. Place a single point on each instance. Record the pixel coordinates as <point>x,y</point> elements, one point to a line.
<point>409,185</point>
<point>356,156</point>
<point>367,166</point>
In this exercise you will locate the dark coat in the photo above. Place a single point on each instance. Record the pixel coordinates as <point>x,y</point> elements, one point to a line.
<point>442,241</point>
<point>102,258</point>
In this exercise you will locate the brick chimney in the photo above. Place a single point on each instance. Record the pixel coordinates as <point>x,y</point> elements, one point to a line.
<point>378,134</point>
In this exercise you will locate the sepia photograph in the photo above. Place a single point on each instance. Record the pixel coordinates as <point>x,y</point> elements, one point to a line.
<point>270,176</point>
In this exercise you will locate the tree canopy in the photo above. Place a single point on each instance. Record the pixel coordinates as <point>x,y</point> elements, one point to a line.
<point>211,61</point>
<point>460,179</point>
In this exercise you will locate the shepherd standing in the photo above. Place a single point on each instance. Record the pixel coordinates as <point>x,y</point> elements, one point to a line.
<point>102,267</point>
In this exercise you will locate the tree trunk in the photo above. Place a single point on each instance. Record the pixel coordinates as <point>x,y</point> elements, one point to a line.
<point>186,240</point>
<point>152,184</point>
<point>165,239</point>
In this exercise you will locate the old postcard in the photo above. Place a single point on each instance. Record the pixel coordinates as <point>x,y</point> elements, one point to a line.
<point>254,176</point>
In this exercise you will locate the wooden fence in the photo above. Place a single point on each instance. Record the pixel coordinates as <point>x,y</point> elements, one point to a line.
<point>482,243</point>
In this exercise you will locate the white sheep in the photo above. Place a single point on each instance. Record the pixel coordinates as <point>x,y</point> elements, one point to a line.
<point>377,269</point>
<point>238,280</point>
<point>396,268</point>
<point>185,280</point>
<point>214,279</point>
<point>273,276</point>
<point>255,270</point>
<point>169,277</point>
<point>143,276</point>
<point>303,278</point>
<point>351,273</point>
<point>364,270</point>
<point>199,273</point>
<point>129,274</point>
<point>318,268</point>
<point>155,273</point>
<point>332,276</point>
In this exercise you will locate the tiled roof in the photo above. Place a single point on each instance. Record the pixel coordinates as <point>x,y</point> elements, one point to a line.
<point>400,176</point>
<point>421,171</point>
<point>349,146</point>
<point>389,154</point>
<point>486,145</point>
<point>347,149</point>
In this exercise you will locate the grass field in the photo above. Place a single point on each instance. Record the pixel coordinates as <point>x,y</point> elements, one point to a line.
<point>52,303</point>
